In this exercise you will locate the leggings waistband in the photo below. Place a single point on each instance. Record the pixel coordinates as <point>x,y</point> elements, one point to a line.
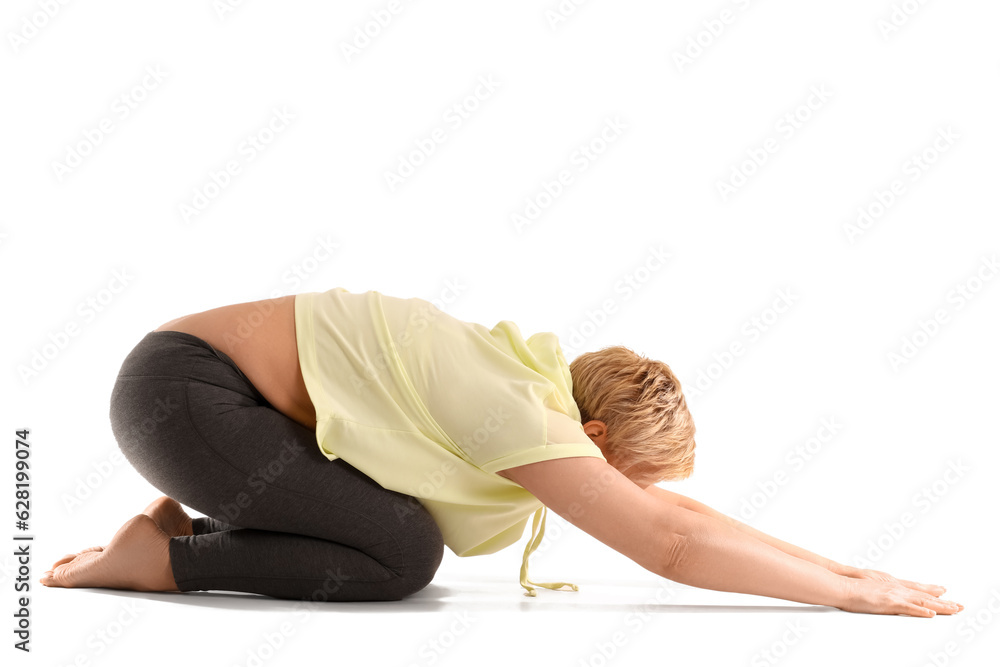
<point>172,354</point>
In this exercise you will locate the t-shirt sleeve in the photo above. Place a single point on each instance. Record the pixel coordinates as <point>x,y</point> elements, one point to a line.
<point>564,438</point>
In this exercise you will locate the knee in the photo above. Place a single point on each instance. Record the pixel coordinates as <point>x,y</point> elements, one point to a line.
<point>421,563</point>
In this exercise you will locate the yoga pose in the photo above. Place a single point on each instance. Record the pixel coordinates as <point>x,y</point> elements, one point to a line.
<point>337,441</point>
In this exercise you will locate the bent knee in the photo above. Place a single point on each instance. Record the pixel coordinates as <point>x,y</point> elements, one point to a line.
<point>423,558</point>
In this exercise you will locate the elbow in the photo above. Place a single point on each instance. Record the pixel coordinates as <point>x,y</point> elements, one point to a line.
<point>681,532</point>
<point>675,556</point>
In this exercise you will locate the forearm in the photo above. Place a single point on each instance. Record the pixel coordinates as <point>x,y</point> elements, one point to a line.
<point>713,554</point>
<point>781,545</point>
<point>790,549</point>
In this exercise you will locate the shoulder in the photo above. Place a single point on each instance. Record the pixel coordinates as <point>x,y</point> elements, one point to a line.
<point>598,499</point>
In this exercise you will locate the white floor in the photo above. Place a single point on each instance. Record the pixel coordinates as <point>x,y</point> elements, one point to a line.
<point>480,620</point>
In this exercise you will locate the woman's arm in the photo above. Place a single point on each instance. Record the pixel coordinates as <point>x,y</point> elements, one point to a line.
<point>696,549</point>
<point>669,540</point>
<point>835,567</point>
<point>791,549</point>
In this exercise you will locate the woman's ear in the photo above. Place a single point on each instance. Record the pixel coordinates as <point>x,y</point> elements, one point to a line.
<point>598,431</point>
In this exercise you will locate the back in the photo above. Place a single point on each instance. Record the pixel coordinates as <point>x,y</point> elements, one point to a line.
<point>431,406</point>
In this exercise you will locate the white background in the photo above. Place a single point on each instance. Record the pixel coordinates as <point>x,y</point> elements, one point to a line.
<point>858,294</point>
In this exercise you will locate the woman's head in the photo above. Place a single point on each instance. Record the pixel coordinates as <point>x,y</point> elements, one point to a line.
<point>650,433</point>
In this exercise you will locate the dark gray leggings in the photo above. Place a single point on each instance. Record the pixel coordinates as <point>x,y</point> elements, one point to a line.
<point>282,520</point>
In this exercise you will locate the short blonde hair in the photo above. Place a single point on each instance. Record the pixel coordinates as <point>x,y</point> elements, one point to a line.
<point>649,428</point>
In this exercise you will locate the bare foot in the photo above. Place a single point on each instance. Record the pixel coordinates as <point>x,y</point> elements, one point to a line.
<point>136,559</point>
<point>169,516</point>
<point>68,557</point>
<point>165,511</point>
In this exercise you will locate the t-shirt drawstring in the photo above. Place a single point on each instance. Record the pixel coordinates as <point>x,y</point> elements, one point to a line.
<point>537,532</point>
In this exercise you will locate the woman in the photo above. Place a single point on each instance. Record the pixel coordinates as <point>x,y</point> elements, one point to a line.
<point>430,431</point>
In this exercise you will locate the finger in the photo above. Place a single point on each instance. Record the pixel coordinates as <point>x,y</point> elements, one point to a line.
<point>938,605</point>
<point>918,606</point>
<point>916,610</point>
<point>926,588</point>
<point>947,606</point>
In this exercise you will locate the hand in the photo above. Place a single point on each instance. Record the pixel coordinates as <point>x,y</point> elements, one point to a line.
<point>872,596</point>
<point>887,578</point>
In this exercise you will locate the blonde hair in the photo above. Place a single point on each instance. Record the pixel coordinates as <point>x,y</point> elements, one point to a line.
<point>649,427</point>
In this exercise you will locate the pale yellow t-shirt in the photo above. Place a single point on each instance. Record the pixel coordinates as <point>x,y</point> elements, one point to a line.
<point>431,406</point>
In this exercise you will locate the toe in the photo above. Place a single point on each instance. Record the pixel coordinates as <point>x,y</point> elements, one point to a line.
<point>68,557</point>
<point>65,559</point>
<point>62,575</point>
<point>84,570</point>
